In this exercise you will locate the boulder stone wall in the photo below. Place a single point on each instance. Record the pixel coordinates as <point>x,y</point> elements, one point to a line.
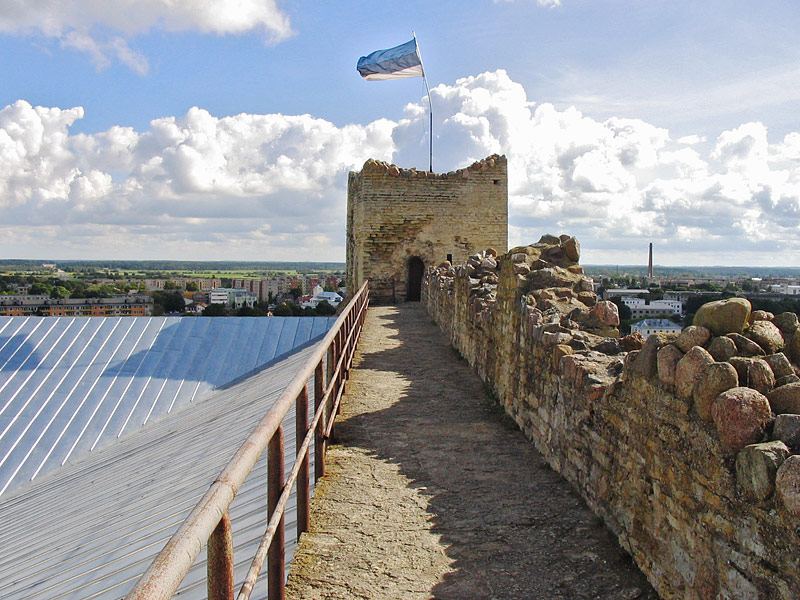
<point>687,446</point>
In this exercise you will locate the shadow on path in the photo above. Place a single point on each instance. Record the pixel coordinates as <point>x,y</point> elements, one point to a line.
<point>508,525</point>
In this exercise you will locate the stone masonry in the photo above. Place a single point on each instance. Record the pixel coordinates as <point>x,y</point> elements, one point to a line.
<point>402,221</point>
<point>687,446</point>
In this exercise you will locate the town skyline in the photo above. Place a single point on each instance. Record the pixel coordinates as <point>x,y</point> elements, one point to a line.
<point>147,132</point>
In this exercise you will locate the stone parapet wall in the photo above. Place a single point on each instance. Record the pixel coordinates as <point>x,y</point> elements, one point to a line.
<point>395,215</point>
<point>696,472</point>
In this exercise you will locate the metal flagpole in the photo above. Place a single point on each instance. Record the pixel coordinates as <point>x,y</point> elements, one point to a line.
<point>430,104</point>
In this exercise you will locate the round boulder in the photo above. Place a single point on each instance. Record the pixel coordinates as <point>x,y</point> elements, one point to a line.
<point>787,484</point>
<point>785,399</point>
<point>722,348</point>
<point>756,466</point>
<point>787,322</point>
<point>754,373</point>
<point>692,336</point>
<point>667,361</point>
<point>761,315</point>
<point>690,370</point>
<point>723,316</point>
<point>718,377</point>
<point>741,415</point>
<point>766,335</point>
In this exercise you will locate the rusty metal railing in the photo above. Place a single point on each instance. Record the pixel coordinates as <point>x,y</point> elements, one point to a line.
<point>209,523</point>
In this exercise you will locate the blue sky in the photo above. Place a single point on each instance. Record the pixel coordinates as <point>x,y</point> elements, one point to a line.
<point>198,129</point>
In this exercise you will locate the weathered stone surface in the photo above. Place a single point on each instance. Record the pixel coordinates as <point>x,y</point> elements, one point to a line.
<point>756,467</point>
<point>723,316</point>
<point>745,346</point>
<point>488,263</point>
<point>793,347</point>
<point>636,450</point>
<point>558,352</point>
<point>787,430</point>
<point>572,249</point>
<point>779,364</point>
<point>741,415</point>
<point>722,348</point>
<point>766,335</point>
<point>786,379</point>
<point>761,315</point>
<point>785,399</point>
<point>667,360</point>
<point>602,314</point>
<point>754,373</point>
<point>552,276</point>
<point>646,361</point>
<point>632,341</point>
<point>587,298</point>
<point>549,239</point>
<point>717,378</point>
<point>787,322</point>
<point>690,370</point>
<point>692,336</point>
<point>787,485</point>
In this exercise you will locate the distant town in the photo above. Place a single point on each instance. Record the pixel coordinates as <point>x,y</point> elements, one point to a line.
<point>84,288</point>
<point>663,302</point>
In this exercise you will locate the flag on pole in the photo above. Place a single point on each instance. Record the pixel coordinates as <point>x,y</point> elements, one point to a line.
<point>395,63</point>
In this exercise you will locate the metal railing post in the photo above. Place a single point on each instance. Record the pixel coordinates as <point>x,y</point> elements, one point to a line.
<point>319,437</point>
<point>275,562</point>
<point>301,412</point>
<point>219,568</point>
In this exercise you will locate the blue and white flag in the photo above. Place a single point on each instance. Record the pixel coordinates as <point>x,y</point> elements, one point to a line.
<point>395,63</point>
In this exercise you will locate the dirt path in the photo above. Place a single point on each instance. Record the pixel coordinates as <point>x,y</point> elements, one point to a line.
<point>431,492</point>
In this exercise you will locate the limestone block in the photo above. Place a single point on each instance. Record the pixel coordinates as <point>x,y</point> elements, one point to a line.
<point>785,399</point>
<point>723,316</point>
<point>741,415</point>
<point>722,348</point>
<point>559,351</point>
<point>754,373</point>
<point>667,361</point>
<point>766,335</point>
<point>787,430</point>
<point>756,467</point>
<point>632,341</point>
<point>690,369</point>
<point>692,336</point>
<point>718,377</point>
<point>587,298</point>
<point>787,485</point>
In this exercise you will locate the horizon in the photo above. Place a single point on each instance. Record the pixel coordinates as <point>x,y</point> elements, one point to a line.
<point>227,129</point>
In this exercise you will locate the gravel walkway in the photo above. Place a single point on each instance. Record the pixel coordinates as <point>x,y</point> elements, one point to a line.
<point>432,492</point>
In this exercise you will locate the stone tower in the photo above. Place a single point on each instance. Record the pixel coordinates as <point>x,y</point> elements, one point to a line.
<point>402,221</point>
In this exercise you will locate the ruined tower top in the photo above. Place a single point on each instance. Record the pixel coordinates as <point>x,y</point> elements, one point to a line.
<point>402,221</point>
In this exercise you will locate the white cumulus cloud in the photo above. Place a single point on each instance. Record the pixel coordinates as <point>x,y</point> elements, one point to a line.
<point>274,186</point>
<point>84,25</point>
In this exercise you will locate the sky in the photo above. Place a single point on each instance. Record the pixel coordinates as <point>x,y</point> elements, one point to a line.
<point>225,129</point>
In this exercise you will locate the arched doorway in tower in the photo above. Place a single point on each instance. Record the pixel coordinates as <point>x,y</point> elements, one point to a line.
<point>416,268</point>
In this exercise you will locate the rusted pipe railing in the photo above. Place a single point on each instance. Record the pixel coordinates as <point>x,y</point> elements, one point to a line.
<point>162,578</point>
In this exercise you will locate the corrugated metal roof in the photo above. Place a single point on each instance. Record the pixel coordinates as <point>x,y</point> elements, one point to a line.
<point>90,528</point>
<point>71,384</point>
